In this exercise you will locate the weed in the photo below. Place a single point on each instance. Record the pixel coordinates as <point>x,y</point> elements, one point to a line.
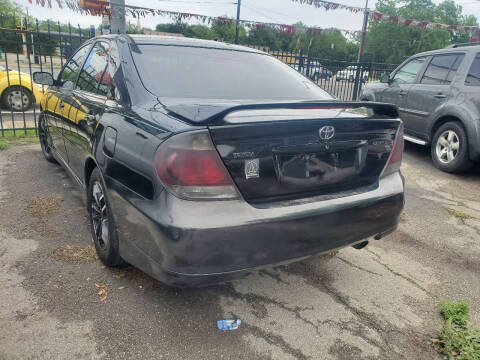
<point>456,340</point>
<point>459,214</point>
<point>9,137</point>
<point>3,144</point>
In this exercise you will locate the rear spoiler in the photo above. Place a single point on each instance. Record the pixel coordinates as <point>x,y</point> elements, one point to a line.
<point>222,110</point>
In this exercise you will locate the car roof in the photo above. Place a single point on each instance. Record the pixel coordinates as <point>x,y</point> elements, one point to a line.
<point>458,49</point>
<point>180,41</point>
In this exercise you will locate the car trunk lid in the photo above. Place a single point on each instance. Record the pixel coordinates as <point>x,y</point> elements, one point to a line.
<point>295,152</point>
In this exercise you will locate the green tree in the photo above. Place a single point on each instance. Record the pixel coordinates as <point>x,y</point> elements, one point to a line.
<point>392,43</point>
<point>225,30</point>
<point>132,29</point>
<point>9,7</point>
<point>175,28</point>
<point>266,36</point>
<point>331,44</point>
<point>9,17</point>
<point>199,32</point>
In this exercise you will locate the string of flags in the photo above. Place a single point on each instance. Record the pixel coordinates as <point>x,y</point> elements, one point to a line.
<point>378,16</point>
<point>136,11</point>
<point>329,5</point>
<point>85,7</point>
<point>102,7</point>
<point>250,24</point>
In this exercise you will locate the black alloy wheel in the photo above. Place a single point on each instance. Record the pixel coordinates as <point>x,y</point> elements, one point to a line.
<point>102,223</point>
<point>45,139</point>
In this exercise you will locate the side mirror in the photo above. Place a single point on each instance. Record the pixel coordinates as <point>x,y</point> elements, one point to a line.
<point>43,78</point>
<point>385,78</point>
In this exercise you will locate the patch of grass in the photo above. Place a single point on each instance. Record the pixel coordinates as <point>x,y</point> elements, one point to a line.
<point>3,144</point>
<point>459,214</point>
<point>456,340</point>
<point>20,136</point>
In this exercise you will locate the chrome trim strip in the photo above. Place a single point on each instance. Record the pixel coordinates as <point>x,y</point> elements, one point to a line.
<point>415,112</point>
<point>414,140</point>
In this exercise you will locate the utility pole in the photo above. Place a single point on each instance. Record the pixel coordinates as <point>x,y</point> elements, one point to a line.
<point>238,21</point>
<point>364,32</point>
<point>117,18</point>
<point>359,71</point>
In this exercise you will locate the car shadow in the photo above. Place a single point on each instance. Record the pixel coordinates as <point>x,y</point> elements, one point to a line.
<point>421,155</point>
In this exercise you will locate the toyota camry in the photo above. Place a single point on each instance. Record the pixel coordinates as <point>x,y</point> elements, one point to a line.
<point>201,161</point>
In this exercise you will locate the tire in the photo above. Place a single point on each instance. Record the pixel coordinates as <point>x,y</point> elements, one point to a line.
<point>17,98</point>
<point>102,222</point>
<point>449,148</point>
<point>45,139</point>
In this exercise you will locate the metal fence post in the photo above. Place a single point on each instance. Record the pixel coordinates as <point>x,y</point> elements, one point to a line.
<point>357,80</point>
<point>300,61</point>
<point>308,64</point>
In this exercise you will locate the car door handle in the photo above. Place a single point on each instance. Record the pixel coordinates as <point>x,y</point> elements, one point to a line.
<point>141,135</point>
<point>61,105</point>
<point>401,93</point>
<point>440,96</point>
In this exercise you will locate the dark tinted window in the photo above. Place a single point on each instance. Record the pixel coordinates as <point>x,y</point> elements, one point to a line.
<point>473,76</point>
<point>179,71</point>
<point>441,69</point>
<point>95,76</point>
<point>454,68</point>
<point>70,71</point>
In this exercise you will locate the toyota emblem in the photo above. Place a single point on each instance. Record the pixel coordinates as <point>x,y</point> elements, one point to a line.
<point>326,132</point>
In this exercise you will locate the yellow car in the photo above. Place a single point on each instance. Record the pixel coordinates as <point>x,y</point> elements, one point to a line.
<point>18,92</point>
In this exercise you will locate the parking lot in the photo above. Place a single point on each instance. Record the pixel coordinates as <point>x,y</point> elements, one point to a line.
<point>379,302</point>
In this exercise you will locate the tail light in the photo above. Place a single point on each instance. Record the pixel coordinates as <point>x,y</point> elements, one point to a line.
<point>395,158</point>
<point>189,166</point>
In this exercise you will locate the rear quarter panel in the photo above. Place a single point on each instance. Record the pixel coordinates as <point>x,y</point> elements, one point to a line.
<point>464,106</point>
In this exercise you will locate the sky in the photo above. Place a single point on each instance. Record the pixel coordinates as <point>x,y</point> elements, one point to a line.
<point>279,11</point>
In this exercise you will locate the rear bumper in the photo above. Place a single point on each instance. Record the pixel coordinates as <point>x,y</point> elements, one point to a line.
<point>185,243</point>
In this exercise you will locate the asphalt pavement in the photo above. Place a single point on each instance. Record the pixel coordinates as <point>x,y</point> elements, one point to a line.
<point>58,301</point>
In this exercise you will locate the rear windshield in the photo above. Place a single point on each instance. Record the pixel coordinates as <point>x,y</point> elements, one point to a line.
<point>191,72</point>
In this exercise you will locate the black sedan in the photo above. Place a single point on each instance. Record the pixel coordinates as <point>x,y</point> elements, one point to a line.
<point>201,160</point>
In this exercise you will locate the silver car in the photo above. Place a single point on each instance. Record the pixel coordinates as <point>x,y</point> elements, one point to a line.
<point>438,97</point>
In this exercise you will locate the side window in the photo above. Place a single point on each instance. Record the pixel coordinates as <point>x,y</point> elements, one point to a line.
<point>473,76</point>
<point>454,68</point>
<point>95,76</point>
<point>408,73</point>
<point>442,69</point>
<point>70,71</point>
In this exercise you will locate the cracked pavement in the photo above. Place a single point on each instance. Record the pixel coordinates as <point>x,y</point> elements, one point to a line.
<point>374,303</point>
